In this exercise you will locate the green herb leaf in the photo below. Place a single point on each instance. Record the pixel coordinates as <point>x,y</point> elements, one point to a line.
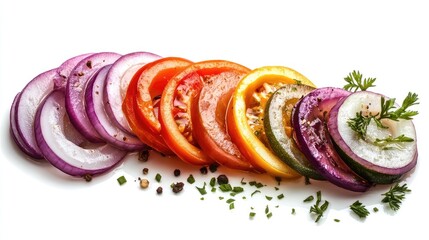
<point>395,196</point>
<point>230,200</point>
<point>158,177</point>
<point>281,196</point>
<point>212,181</point>
<point>318,209</point>
<point>191,179</point>
<point>252,214</point>
<point>268,198</point>
<point>238,189</point>
<point>202,189</point>
<point>359,209</point>
<point>231,206</point>
<point>309,199</point>
<point>121,180</point>
<point>354,82</point>
<point>225,187</point>
<point>253,193</point>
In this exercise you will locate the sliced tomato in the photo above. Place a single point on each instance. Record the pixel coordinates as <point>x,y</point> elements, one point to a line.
<point>129,107</point>
<point>246,113</point>
<point>176,107</point>
<point>150,86</point>
<point>208,117</point>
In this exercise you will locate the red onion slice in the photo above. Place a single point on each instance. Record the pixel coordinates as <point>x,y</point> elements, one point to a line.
<point>65,69</point>
<point>14,132</point>
<point>75,92</point>
<point>28,101</point>
<point>118,79</point>
<point>95,108</point>
<point>50,128</point>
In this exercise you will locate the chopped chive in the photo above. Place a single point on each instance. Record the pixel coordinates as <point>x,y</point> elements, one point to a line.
<point>309,199</point>
<point>158,177</point>
<point>252,214</point>
<point>213,182</point>
<point>202,189</point>
<point>256,191</point>
<point>307,180</point>
<point>237,189</point>
<point>232,194</point>
<point>244,197</point>
<point>337,220</point>
<point>268,198</point>
<point>276,188</point>
<point>277,206</point>
<point>231,206</point>
<point>293,211</point>
<point>269,215</point>
<point>191,179</point>
<point>375,209</point>
<point>202,198</point>
<point>267,209</point>
<point>243,182</point>
<point>213,189</point>
<point>221,198</point>
<point>121,180</point>
<point>225,187</point>
<point>230,200</point>
<point>281,196</point>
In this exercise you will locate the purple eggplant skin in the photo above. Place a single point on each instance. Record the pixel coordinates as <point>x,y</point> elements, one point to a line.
<point>310,123</point>
<point>373,173</point>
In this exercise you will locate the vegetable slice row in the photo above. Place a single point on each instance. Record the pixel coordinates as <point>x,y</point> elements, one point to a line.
<point>270,119</point>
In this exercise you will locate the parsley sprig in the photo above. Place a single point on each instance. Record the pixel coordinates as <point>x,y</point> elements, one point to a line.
<point>360,122</point>
<point>354,82</point>
<point>395,195</point>
<point>359,209</point>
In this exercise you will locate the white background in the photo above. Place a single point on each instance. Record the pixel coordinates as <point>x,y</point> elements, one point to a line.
<point>324,40</point>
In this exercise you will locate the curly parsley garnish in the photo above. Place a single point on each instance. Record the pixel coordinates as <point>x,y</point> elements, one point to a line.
<point>360,123</point>
<point>354,82</point>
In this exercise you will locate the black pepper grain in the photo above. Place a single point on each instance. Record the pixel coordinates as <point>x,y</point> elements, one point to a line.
<point>145,171</point>
<point>87,177</point>
<point>222,179</point>
<point>144,155</point>
<point>203,170</point>
<point>213,167</point>
<point>177,172</point>
<point>159,190</point>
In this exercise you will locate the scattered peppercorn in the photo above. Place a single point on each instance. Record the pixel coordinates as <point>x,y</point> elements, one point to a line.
<point>203,170</point>
<point>144,183</point>
<point>213,167</point>
<point>87,177</point>
<point>159,190</point>
<point>177,187</point>
<point>145,171</point>
<point>177,172</point>
<point>144,155</point>
<point>222,179</point>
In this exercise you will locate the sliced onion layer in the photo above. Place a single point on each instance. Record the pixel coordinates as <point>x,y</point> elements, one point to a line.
<point>64,70</point>
<point>96,110</point>
<point>117,81</point>
<point>15,134</point>
<point>28,101</point>
<point>75,91</point>
<point>61,146</point>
